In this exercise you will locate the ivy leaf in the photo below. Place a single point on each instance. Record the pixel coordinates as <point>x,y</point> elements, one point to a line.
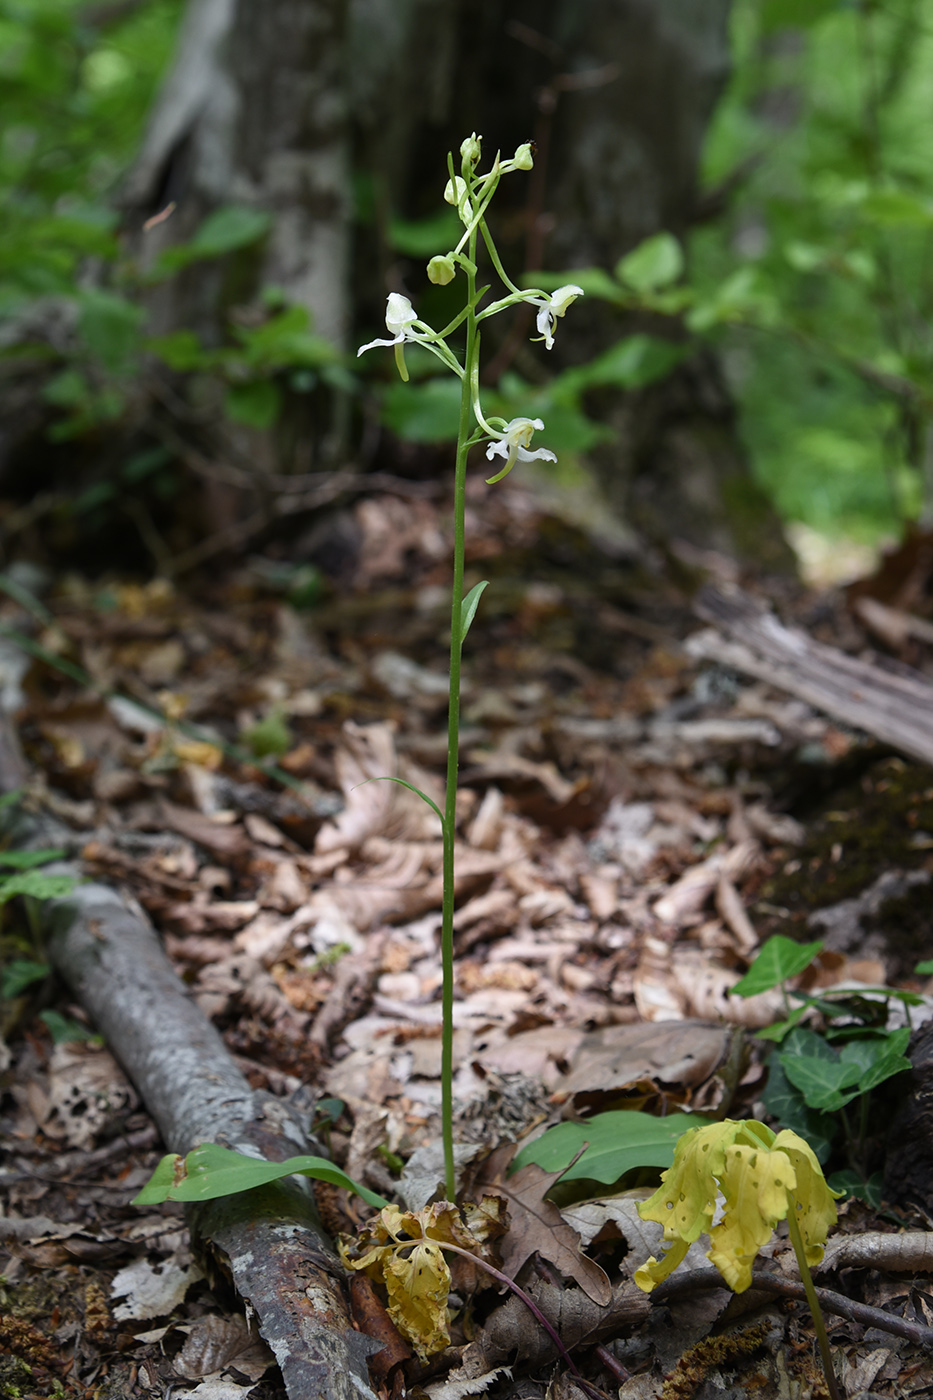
<point>787,1104</point>
<point>823,1082</point>
<point>780,959</point>
<point>210,1171</point>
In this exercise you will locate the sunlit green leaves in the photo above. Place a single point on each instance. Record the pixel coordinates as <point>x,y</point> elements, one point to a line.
<point>211,1171</point>
<point>779,960</point>
<point>611,1144</point>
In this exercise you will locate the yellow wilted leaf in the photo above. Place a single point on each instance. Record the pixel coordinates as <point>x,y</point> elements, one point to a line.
<point>418,1285</point>
<point>198,752</point>
<point>760,1178</point>
<point>402,1250</point>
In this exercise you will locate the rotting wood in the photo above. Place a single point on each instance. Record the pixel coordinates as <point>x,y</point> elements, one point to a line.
<point>895,706</point>
<point>269,1241</point>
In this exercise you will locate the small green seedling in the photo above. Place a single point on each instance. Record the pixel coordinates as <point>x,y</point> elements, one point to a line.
<point>757,1178</point>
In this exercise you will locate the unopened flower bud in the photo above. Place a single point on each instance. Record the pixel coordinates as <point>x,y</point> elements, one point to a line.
<point>441,269</point>
<point>470,150</point>
<point>523,159</point>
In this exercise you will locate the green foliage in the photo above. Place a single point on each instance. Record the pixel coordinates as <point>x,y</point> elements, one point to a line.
<point>608,1145</point>
<point>211,1171</point>
<point>826,117</point>
<point>19,974</point>
<point>817,1073</point>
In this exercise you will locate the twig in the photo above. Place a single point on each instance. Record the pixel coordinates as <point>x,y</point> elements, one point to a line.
<point>831,1302</point>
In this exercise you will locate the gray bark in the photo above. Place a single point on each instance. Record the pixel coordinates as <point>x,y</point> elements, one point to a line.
<point>254,112</point>
<point>269,1242</point>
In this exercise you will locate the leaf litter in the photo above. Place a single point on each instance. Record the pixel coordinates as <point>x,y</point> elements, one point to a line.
<point>622,821</point>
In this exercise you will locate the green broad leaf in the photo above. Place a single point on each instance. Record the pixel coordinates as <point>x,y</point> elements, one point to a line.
<point>878,1058</point>
<point>110,325</point>
<point>211,1171</point>
<point>181,350</point>
<point>632,363</point>
<point>226,230</point>
<point>780,1029</point>
<point>69,389</point>
<point>826,1085</point>
<point>795,14</point>
<point>63,1029</point>
<point>655,263</point>
<point>256,405</point>
<point>20,974</point>
<point>925,969</point>
<point>894,208</point>
<point>26,860</point>
<point>422,238</point>
<point>285,341</point>
<point>469,606</point>
<point>854,1184</point>
<point>595,282</point>
<point>780,959</point>
<point>615,1143</point>
<point>786,1104</point>
<point>428,411</point>
<point>36,884</point>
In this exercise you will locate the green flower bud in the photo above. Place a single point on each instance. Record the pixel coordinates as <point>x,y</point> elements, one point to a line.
<point>441,269</point>
<point>523,159</point>
<point>470,149</point>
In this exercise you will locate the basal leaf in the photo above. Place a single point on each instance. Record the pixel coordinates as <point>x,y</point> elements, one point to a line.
<point>211,1171</point>
<point>616,1142</point>
<point>780,959</point>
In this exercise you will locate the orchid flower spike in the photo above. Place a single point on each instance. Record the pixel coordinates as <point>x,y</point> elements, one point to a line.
<point>400,322</point>
<point>552,308</point>
<point>513,446</point>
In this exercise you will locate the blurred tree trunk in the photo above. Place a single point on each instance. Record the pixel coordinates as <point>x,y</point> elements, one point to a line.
<point>282,105</point>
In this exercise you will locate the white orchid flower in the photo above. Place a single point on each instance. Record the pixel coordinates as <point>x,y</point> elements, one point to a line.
<point>400,323</point>
<point>513,446</point>
<point>551,309</point>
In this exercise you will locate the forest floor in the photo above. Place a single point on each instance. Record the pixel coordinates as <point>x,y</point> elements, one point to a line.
<point>634,824</point>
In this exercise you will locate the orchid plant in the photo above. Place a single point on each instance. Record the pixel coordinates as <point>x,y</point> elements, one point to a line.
<point>508,442</point>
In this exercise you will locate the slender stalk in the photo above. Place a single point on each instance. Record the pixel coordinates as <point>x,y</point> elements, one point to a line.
<point>814,1303</point>
<point>532,1307</point>
<point>453,741</point>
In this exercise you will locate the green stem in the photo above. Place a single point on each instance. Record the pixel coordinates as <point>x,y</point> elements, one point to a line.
<point>530,1304</point>
<point>453,742</point>
<point>816,1311</point>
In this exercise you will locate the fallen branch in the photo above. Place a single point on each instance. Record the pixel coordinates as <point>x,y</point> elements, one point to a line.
<point>269,1242</point>
<point>830,1302</point>
<point>893,706</point>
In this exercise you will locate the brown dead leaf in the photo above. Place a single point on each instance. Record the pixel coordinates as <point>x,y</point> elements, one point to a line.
<point>537,1226</point>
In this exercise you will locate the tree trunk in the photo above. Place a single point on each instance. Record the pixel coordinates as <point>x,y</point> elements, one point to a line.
<point>265,104</point>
